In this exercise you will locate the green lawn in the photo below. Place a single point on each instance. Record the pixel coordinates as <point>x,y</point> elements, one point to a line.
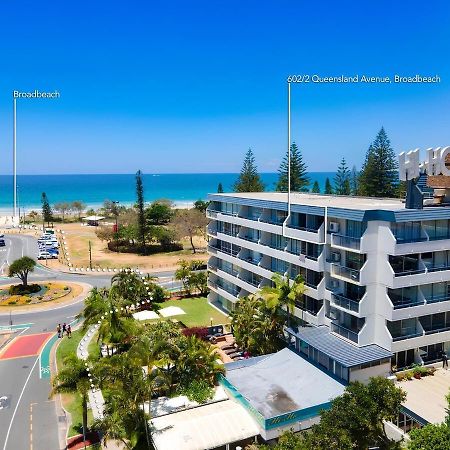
<point>72,402</point>
<point>198,312</point>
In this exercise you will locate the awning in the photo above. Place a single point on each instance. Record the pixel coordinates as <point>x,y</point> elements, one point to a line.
<point>145,315</point>
<point>207,426</point>
<point>93,218</point>
<point>171,311</point>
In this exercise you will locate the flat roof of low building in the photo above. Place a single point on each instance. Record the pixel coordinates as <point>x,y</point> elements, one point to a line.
<point>426,397</point>
<point>281,383</point>
<point>342,351</point>
<point>207,426</point>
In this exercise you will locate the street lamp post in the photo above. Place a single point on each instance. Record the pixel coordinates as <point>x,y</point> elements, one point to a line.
<point>90,255</point>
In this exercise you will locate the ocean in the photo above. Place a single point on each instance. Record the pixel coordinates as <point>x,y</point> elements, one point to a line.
<point>93,190</point>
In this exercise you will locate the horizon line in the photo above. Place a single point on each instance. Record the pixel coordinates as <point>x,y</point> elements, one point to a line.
<point>146,173</point>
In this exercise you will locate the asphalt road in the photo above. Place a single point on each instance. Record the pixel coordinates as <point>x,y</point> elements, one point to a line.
<point>30,422</point>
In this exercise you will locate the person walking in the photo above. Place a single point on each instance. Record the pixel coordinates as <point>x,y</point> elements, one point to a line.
<point>444,361</point>
<point>69,331</point>
<point>64,328</point>
<point>58,330</point>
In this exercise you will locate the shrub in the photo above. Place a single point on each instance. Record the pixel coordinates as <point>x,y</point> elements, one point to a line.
<point>12,302</point>
<point>66,288</point>
<point>127,247</point>
<point>20,289</point>
<point>400,376</point>
<point>199,332</point>
<point>159,294</point>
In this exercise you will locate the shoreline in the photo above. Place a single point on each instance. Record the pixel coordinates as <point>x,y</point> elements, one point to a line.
<point>177,204</point>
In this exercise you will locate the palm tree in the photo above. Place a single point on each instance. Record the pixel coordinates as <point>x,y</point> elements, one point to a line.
<point>73,378</point>
<point>132,287</point>
<point>197,361</point>
<point>256,327</point>
<point>284,292</point>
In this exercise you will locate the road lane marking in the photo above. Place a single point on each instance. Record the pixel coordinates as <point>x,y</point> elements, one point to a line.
<point>18,403</point>
<point>44,358</point>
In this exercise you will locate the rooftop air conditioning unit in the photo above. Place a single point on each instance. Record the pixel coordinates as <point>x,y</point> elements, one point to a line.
<point>335,256</point>
<point>334,227</point>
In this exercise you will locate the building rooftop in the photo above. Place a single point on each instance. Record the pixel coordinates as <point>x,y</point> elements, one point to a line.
<point>342,351</point>
<point>207,426</point>
<point>426,397</point>
<point>321,200</point>
<point>281,383</point>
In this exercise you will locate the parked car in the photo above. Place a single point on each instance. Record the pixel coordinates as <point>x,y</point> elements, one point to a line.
<point>2,243</point>
<point>53,251</point>
<point>46,255</point>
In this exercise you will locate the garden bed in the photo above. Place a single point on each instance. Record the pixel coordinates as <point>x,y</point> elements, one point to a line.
<point>47,292</point>
<point>416,371</point>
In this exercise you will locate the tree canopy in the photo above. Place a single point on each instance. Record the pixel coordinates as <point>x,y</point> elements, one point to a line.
<point>299,176</point>
<point>316,188</point>
<point>21,268</point>
<point>47,214</point>
<point>379,176</point>
<point>328,187</point>
<point>342,179</point>
<point>140,203</point>
<point>249,179</point>
<point>189,223</point>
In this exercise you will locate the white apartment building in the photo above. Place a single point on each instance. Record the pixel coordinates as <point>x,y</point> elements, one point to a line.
<point>377,273</point>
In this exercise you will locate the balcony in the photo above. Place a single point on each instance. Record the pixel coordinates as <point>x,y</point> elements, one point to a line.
<point>400,302</point>
<point>344,332</point>
<point>251,260</point>
<point>409,272</point>
<point>344,302</point>
<point>229,271</point>
<point>308,229</point>
<point>438,298</point>
<point>234,291</point>
<point>407,335</point>
<point>248,238</point>
<point>437,330</point>
<point>271,221</point>
<point>232,252</point>
<point>437,268</point>
<point>212,268</point>
<point>346,242</point>
<point>346,273</point>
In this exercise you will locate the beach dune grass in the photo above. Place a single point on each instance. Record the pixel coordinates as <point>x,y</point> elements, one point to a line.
<point>198,312</point>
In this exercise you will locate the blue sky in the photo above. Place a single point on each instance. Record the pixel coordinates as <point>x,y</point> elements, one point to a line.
<point>172,87</point>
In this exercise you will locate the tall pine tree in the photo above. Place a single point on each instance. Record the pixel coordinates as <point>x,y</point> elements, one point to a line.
<point>379,176</point>
<point>354,181</point>
<point>328,187</point>
<point>249,179</point>
<point>299,174</point>
<point>140,204</point>
<point>316,188</point>
<point>47,213</point>
<point>220,188</point>
<point>342,179</point>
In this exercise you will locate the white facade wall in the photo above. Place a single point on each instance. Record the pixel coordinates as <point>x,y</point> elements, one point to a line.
<point>377,275</point>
